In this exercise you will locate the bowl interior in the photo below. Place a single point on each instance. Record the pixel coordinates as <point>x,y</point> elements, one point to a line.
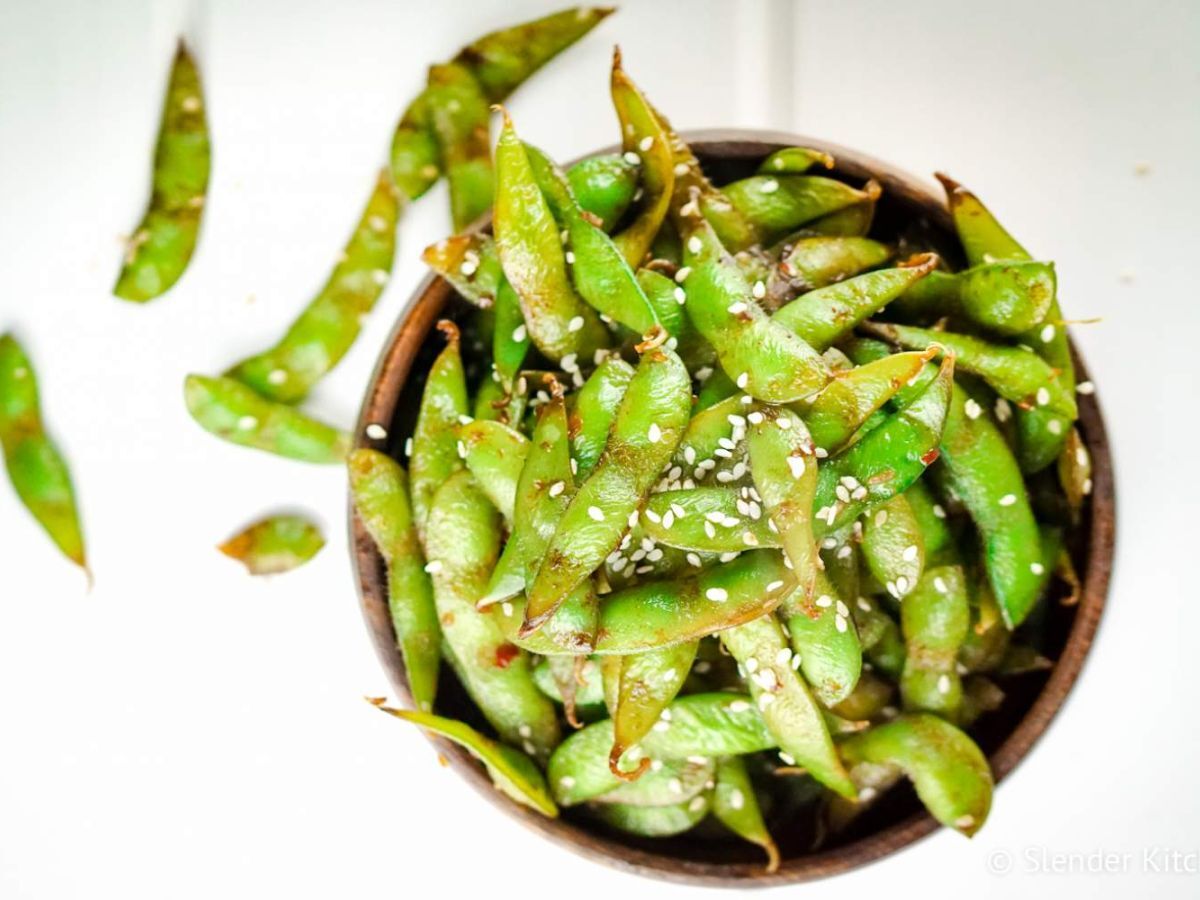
<point>907,211</point>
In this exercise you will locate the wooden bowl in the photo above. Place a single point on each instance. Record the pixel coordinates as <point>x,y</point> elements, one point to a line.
<point>898,820</point>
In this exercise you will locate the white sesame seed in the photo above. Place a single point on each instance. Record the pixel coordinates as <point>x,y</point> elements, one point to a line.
<point>910,553</point>
<point>717,595</point>
<point>408,445</point>
<point>1043,396</point>
<point>653,516</point>
<point>1003,410</point>
<point>1037,568</point>
<point>569,256</point>
<point>376,432</point>
<point>694,244</point>
<point>519,333</point>
<point>769,186</point>
<point>575,324</point>
<point>681,169</point>
<point>787,758</point>
<point>710,530</point>
<point>646,143</point>
<point>191,103</point>
<point>675,786</point>
<point>842,493</point>
<point>682,274</point>
<point>462,450</point>
<point>557,488</point>
<point>839,622</point>
<point>901,584</point>
<point>784,422</point>
<point>820,452</point>
<point>1085,387</point>
<point>694,559</point>
<point>566,782</point>
<point>739,706</point>
<point>736,308</point>
<point>574,466</point>
<point>939,584</point>
<point>943,684</point>
<point>765,700</point>
<point>939,511</point>
<point>864,604</point>
<point>1048,334</point>
<point>796,465</point>
<point>1008,500</point>
<point>380,277</point>
<point>973,409</point>
<point>681,297</point>
<point>1087,486</point>
<point>247,423</point>
<point>661,726</point>
<point>632,158</point>
<point>654,433</point>
<point>755,418</point>
<point>824,601</point>
<point>277,376</point>
<point>595,513</point>
<point>742,380</point>
<point>433,566</point>
<point>729,556</point>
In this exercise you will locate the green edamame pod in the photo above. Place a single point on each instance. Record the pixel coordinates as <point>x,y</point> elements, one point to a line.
<point>787,707</point>
<point>648,425</point>
<point>595,408</point>
<point>435,455</point>
<point>826,641</point>
<point>807,263</point>
<point>469,262</point>
<point>599,272</point>
<point>706,520</point>
<point>868,700</point>
<point>949,772</point>
<point>882,643</point>
<point>794,161</point>
<point>852,397</point>
<point>604,185</point>
<point>161,246</point>
<point>669,782</point>
<point>413,157</point>
<point>36,468</point>
<point>1006,298</point>
<point>645,135</point>
<point>1075,470</point>
<point>824,316</point>
<point>531,253</point>
<point>978,468</point>
<point>701,725</point>
<point>331,322</point>
<point>275,544</point>
<point>888,459</point>
<point>765,359</point>
<point>512,772</point>
<point>645,684</point>
<point>894,546</point>
<point>656,614</point>
<point>784,470</point>
<point>935,618</point>
<point>379,488</point>
<point>655,821</point>
<point>495,455</point>
<point>941,546</point>
<point>735,804</point>
<point>663,295</point>
<point>234,412</point>
<point>777,204</point>
<point>458,120</point>
<point>462,542</point>
<point>502,60</point>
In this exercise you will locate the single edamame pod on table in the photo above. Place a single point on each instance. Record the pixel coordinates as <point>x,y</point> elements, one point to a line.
<point>236,413</point>
<point>275,544</point>
<point>379,490</point>
<point>162,244</point>
<point>35,466</point>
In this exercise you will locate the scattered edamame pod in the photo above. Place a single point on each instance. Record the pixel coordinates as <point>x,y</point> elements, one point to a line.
<point>161,246</point>
<point>275,544</point>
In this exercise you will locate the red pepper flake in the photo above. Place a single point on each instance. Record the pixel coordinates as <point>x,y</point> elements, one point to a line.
<point>929,457</point>
<point>505,654</point>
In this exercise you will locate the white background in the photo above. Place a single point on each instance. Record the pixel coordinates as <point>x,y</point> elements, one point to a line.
<point>186,731</point>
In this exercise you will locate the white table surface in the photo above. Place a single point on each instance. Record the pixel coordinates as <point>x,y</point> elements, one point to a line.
<point>185,731</point>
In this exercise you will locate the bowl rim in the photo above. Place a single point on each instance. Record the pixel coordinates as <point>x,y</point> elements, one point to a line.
<point>417,318</point>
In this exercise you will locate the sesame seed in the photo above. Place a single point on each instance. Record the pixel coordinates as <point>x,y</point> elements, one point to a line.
<point>697,803</point>
<point>737,308</point>
<point>247,423</point>
<point>755,418</point>
<point>867,794</point>
<point>433,566</point>
<point>796,465</point>
<point>574,466</point>
<point>1048,334</point>
<point>519,333</point>
<point>864,604</point>
<point>910,553</point>
<point>769,186</point>
<point>784,656</point>
<point>739,706</point>
<point>1003,410</point>
<point>654,433</point>
<point>575,324</point>
<point>462,450</point>
<point>964,821</point>
<point>682,274</point>
<point>820,452</point>
<point>675,786</point>
<point>633,519</point>
<point>1043,396</point>
<point>784,422</point>
<point>743,380</point>
<point>749,539</point>
<point>632,158</point>
<point>1008,499</point>
<point>787,758</point>
<point>668,519</point>
<point>939,511</point>
<point>694,244</point>
<point>943,684</point>
<point>710,530</point>
<point>765,700</point>
<point>901,584</point>
<point>380,277</point>
<point>1085,387</point>
<point>1087,486</point>
<point>557,488</point>
<point>468,268</point>
<point>653,516</point>
<point>569,256</point>
<point>681,169</point>
<point>408,445</point>
<point>759,290</point>
<point>277,376</point>
<point>694,560</point>
<point>824,601</point>
<point>939,584</point>
<point>844,552</point>
<point>729,556</point>
<point>736,799</point>
<point>840,623</point>
<point>973,409</point>
<point>774,586</point>
<point>1054,426</point>
<point>595,513</point>
<point>842,493</point>
<point>646,143</point>
<point>191,103</point>
<point>843,609</point>
<point>661,726</point>
<point>507,609</point>
<point>566,782</point>
<point>717,595</point>
<point>1037,568</point>
<point>679,511</point>
<point>376,432</point>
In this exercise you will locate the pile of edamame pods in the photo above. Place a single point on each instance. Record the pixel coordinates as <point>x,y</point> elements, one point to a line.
<point>713,492</point>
